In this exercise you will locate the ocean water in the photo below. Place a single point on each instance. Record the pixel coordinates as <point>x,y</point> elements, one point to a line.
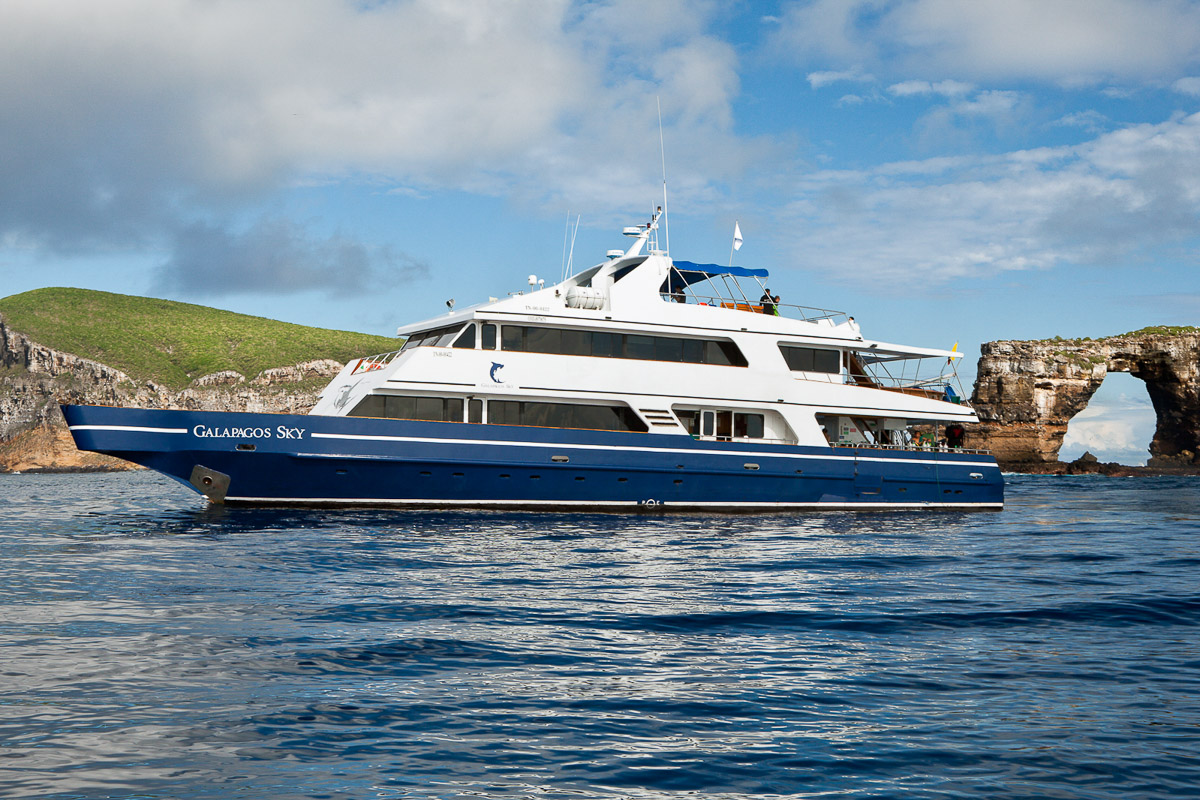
<point>153,647</point>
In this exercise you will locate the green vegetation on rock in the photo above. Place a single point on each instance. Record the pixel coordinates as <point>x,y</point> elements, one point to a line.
<point>1160,330</point>
<point>174,343</point>
<point>1153,330</point>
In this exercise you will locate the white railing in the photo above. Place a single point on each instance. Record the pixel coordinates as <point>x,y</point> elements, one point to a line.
<point>920,448</point>
<point>371,363</point>
<point>806,313</point>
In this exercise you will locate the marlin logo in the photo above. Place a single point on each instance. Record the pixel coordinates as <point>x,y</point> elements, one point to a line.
<point>495,368</point>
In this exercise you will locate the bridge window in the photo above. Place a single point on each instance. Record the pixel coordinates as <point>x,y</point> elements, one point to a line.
<point>466,340</point>
<point>439,337</point>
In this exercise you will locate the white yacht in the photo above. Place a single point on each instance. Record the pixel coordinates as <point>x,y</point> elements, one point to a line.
<point>642,382</point>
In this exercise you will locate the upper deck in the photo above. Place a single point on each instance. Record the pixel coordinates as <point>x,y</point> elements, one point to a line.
<point>665,339</point>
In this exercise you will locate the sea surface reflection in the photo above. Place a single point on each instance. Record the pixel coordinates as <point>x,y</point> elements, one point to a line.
<point>157,647</point>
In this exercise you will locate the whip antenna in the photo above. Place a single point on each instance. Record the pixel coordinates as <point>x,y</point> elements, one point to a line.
<point>663,151</point>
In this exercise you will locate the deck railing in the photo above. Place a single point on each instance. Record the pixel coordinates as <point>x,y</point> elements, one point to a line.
<point>371,363</point>
<point>919,448</point>
<point>806,313</point>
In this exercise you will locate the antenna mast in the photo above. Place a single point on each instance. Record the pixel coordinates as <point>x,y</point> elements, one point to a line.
<point>663,151</point>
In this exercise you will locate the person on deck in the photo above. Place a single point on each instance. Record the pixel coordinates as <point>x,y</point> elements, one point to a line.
<point>955,435</point>
<point>768,302</point>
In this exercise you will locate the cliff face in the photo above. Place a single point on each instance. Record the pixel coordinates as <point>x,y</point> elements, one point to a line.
<point>1027,392</point>
<point>35,379</point>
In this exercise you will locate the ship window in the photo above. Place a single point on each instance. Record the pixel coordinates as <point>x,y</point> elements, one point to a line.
<point>542,340</point>
<point>724,424</point>
<point>725,354</point>
<point>606,345</point>
<point>564,415</point>
<point>576,343</point>
<point>430,409</point>
<point>745,425</point>
<point>640,347</point>
<point>439,337</point>
<point>748,426</point>
<point>668,349</point>
<point>512,337</point>
<point>467,339</point>
<point>602,344</point>
<point>489,336</point>
<point>811,359</point>
<point>475,410</point>
<point>369,406</point>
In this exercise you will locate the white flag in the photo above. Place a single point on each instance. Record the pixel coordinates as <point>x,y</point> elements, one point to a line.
<point>737,236</point>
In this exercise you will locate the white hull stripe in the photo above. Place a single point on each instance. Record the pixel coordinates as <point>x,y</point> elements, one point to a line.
<point>697,504</point>
<point>129,428</point>
<point>681,450</point>
<point>497,443</point>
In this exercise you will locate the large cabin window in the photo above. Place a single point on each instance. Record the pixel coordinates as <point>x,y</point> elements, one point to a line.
<point>603,344</point>
<point>439,337</point>
<point>564,415</point>
<point>723,424</point>
<point>811,359</point>
<point>429,409</point>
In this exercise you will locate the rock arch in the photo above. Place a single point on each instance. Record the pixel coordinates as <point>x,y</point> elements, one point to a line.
<point>1027,392</point>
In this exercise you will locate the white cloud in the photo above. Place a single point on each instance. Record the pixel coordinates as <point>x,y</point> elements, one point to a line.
<point>943,88</point>
<point>1090,120</point>
<point>819,80</point>
<point>1118,196</point>
<point>1063,41</point>
<point>124,122</point>
<point>1117,424</point>
<point>1190,86</point>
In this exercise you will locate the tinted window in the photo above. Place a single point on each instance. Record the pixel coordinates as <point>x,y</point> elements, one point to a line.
<point>563,415</point>
<point>440,336</point>
<point>432,409</point>
<point>576,343</point>
<point>748,425</point>
<point>542,340</point>
<point>601,344</point>
<point>810,359</point>
<point>606,345</point>
<point>467,338</point>
<point>667,349</point>
<point>637,346</point>
<point>512,337</point>
<point>489,336</point>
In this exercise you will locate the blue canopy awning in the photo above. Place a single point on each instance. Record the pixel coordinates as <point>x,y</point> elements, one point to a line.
<point>686,273</point>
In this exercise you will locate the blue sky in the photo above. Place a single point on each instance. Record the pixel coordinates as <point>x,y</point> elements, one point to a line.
<point>943,170</point>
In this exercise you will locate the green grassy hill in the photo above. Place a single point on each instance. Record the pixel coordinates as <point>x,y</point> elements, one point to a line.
<point>173,343</point>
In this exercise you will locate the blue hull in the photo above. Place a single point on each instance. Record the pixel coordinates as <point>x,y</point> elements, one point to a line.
<point>282,459</point>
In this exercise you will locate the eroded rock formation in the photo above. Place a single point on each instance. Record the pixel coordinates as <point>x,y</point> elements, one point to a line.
<point>1027,392</point>
<point>34,379</point>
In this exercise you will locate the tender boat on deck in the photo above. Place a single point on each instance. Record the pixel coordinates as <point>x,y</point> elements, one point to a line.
<point>640,383</point>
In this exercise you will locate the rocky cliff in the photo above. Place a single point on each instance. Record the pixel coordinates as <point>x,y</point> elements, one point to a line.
<point>34,379</point>
<point>1027,392</point>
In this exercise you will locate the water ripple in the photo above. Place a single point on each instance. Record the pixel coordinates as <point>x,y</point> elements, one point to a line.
<point>155,647</point>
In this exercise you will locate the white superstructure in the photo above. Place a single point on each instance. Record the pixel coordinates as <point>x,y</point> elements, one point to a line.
<point>634,344</point>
